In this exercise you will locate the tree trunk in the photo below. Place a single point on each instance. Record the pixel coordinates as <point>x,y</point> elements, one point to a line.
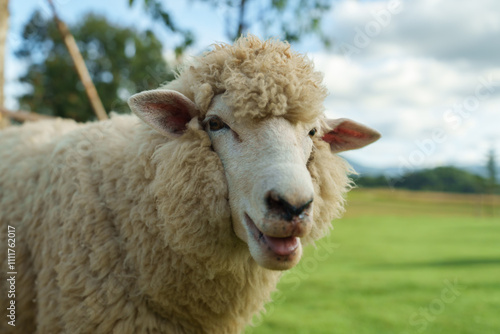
<point>241,20</point>
<point>4,26</point>
<point>80,66</point>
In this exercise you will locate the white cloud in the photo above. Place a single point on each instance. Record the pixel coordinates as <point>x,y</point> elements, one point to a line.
<point>443,29</point>
<point>431,56</point>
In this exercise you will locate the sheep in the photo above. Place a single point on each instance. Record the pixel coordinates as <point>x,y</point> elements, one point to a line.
<point>180,220</point>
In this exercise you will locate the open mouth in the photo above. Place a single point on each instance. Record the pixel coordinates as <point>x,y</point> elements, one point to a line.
<point>283,246</point>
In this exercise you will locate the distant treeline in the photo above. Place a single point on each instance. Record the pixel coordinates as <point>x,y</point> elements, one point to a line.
<point>445,179</point>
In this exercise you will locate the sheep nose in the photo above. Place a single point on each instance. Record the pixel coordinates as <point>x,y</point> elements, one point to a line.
<point>280,206</point>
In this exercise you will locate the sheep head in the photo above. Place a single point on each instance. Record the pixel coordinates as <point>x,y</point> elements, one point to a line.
<point>265,161</point>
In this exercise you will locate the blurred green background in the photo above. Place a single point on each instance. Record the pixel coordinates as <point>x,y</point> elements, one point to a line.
<point>398,262</point>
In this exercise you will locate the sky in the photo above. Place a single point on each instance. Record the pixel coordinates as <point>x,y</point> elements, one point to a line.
<point>424,73</point>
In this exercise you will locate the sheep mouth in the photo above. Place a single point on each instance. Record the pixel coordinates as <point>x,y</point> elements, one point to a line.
<point>282,246</point>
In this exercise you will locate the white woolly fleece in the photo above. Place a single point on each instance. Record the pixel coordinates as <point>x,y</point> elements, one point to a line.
<point>121,230</point>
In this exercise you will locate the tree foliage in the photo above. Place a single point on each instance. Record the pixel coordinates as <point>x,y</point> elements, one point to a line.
<point>157,12</point>
<point>444,179</point>
<point>121,61</point>
<point>491,168</point>
<point>448,179</point>
<point>289,19</point>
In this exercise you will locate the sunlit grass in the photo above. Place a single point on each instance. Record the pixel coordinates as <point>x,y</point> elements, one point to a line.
<point>388,267</point>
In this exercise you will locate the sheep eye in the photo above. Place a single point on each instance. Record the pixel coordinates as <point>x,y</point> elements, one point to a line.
<point>216,124</point>
<point>312,132</point>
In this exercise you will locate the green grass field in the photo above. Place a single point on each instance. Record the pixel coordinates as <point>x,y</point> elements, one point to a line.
<point>398,262</point>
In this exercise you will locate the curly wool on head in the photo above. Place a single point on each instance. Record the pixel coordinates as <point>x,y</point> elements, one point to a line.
<point>258,78</point>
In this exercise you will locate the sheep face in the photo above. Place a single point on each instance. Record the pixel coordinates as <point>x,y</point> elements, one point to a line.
<point>265,160</point>
<point>270,189</point>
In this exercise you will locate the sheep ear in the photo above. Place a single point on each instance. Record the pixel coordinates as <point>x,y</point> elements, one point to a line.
<point>166,111</point>
<point>343,135</point>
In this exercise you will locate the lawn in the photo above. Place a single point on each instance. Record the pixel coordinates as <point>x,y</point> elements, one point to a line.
<point>398,262</point>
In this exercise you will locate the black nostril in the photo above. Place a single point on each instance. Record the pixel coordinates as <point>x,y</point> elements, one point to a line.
<point>278,205</point>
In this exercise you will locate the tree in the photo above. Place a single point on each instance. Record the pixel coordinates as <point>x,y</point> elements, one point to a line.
<point>80,67</point>
<point>491,168</point>
<point>121,61</point>
<point>446,179</point>
<point>155,9</point>
<point>289,19</point>
<point>4,26</point>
